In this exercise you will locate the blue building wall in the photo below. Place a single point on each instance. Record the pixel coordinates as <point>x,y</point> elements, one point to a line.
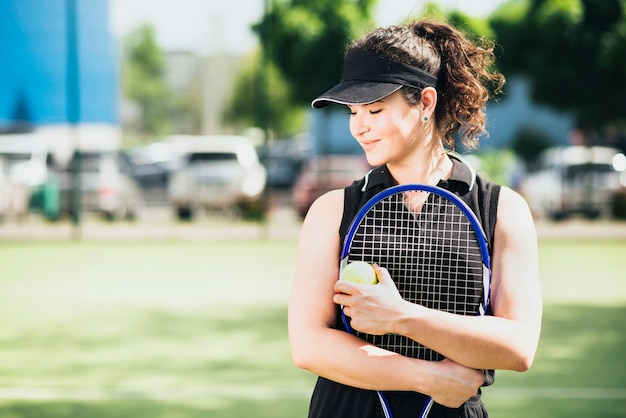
<point>35,49</point>
<point>517,111</point>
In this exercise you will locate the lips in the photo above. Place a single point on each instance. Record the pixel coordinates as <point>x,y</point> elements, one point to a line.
<point>369,145</point>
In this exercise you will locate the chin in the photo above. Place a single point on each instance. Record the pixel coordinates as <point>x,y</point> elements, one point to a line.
<point>374,161</point>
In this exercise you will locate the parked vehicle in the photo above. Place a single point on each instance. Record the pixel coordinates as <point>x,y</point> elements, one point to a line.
<point>215,173</point>
<point>151,165</point>
<point>574,180</point>
<point>324,173</point>
<point>13,196</point>
<point>283,160</point>
<point>29,166</point>
<point>106,188</point>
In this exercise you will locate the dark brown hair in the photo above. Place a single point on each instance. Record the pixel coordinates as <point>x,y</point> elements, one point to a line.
<point>464,70</point>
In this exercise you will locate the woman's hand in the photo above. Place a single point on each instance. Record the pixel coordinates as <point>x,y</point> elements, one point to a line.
<point>454,384</point>
<point>373,309</point>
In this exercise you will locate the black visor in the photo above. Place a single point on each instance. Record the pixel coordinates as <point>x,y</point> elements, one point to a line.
<point>368,78</point>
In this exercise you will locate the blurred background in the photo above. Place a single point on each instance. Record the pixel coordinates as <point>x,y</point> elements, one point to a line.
<point>146,147</point>
<point>101,102</point>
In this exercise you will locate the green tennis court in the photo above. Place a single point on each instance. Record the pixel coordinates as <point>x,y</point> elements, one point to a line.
<point>189,329</point>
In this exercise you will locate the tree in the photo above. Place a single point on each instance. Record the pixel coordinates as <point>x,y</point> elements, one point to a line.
<point>573,52</point>
<point>261,97</point>
<point>306,40</point>
<point>143,79</point>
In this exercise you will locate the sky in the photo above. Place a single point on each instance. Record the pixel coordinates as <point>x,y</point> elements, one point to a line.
<point>216,26</point>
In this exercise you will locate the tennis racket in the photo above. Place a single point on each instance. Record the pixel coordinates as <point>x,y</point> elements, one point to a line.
<point>436,252</point>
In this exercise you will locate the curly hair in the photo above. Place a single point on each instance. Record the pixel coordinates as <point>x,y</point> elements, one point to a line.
<point>464,70</point>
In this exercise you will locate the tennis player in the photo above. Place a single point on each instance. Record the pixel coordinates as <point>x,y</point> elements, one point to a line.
<point>411,91</point>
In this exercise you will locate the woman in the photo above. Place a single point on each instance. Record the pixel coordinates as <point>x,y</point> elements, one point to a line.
<point>410,89</point>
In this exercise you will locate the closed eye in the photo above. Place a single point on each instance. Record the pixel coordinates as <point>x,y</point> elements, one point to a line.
<point>371,111</point>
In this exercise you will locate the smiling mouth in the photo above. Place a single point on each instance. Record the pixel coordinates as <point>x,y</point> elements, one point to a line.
<point>366,145</point>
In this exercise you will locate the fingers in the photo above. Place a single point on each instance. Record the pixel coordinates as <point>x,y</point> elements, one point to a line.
<point>344,289</point>
<point>382,274</point>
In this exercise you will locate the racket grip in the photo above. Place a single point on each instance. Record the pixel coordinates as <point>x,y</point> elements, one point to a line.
<point>346,323</point>
<point>426,408</point>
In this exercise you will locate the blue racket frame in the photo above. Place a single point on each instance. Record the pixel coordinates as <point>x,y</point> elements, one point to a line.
<point>480,237</point>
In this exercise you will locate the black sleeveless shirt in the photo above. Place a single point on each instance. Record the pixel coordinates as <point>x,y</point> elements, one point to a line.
<point>334,400</point>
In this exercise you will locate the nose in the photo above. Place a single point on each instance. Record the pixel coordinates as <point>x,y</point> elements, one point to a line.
<point>358,124</point>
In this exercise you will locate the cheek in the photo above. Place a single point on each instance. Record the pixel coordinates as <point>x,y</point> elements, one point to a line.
<point>409,125</point>
<point>385,125</point>
<point>394,126</point>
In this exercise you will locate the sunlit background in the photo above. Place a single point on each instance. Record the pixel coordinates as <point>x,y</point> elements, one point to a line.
<point>157,158</point>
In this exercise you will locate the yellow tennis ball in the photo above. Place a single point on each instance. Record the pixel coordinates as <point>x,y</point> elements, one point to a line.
<point>359,272</point>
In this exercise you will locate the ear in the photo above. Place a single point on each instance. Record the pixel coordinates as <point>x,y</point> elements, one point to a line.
<point>429,101</point>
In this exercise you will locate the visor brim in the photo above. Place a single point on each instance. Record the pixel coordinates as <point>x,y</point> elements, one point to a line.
<point>355,92</point>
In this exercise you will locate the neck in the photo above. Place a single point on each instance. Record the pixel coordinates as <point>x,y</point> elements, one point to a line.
<point>426,167</point>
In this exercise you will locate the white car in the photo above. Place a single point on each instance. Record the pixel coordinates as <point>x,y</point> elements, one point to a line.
<point>214,173</point>
<point>27,166</point>
<point>13,196</point>
<point>575,180</point>
<point>107,187</point>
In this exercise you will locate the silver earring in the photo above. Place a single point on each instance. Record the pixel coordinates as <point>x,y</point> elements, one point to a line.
<point>425,118</point>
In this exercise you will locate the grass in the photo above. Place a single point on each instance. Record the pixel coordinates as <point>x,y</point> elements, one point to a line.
<point>579,370</point>
<point>173,329</point>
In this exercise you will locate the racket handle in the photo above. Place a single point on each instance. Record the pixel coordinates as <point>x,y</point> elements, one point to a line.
<point>426,409</point>
<point>384,404</point>
<point>346,323</point>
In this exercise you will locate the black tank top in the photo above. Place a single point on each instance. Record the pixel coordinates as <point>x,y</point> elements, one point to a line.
<point>331,399</point>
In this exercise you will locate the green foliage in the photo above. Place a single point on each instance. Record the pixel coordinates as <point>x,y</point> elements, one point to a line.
<point>306,40</point>
<point>476,27</point>
<point>573,51</point>
<point>498,165</point>
<point>143,79</point>
<point>262,97</point>
<point>472,26</point>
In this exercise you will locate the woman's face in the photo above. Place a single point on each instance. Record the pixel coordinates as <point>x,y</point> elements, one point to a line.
<point>388,130</point>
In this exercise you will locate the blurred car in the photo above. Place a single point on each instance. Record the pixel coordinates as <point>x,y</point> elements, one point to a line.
<point>29,166</point>
<point>324,173</point>
<point>13,197</point>
<point>215,173</point>
<point>574,180</point>
<point>283,160</point>
<point>107,187</point>
<point>151,165</point>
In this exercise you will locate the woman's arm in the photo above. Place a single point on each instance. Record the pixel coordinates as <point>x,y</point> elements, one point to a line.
<point>506,340</point>
<point>339,356</point>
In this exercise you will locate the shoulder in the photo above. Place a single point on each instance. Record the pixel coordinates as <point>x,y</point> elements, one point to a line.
<point>328,201</point>
<point>514,215</point>
<point>327,209</point>
<point>319,235</point>
<point>511,202</point>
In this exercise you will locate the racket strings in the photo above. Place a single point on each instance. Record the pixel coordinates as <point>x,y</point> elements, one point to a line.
<point>431,251</point>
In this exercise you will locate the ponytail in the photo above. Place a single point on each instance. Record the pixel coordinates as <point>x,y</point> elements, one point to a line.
<point>465,72</point>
